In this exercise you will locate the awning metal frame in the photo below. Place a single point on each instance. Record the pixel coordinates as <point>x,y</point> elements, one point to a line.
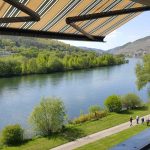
<point>72,20</point>
<point>75,19</point>
<point>45,34</point>
<point>33,16</point>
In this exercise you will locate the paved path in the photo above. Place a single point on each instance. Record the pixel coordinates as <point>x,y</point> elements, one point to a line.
<point>94,137</point>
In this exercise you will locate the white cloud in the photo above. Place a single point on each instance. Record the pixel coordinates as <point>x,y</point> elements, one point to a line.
<point>112,35</point>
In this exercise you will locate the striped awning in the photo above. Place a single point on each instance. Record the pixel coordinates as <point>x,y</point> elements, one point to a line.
<point>53,14</point>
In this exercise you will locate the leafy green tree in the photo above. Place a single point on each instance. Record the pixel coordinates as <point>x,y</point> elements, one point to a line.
<point>32,66</point>
<point>48,116</point>
<point>54,65</point>
<point>113,103</point>
<point>143,72</point>
<point>131,101</point>
<point>9,66</point>
<point>42,63</point>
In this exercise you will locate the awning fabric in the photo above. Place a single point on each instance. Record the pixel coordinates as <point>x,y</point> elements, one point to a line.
<point>53,14</point>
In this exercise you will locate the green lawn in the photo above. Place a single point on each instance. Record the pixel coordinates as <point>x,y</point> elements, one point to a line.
<point>76,131</point>
<point>110,141</point>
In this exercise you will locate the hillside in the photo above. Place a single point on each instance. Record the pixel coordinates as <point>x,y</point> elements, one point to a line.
<point>136,48</point>
<point>13,44</point>
<point>10,44</point>
<point>24,56</point>
<point>100,51</point>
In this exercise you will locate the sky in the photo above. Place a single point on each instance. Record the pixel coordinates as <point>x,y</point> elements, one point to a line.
<point>136,28</point>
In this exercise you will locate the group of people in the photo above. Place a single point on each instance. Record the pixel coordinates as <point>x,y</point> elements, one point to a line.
<point>138,119</point>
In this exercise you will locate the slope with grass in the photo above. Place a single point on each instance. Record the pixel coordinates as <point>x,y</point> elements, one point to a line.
<point>73,132</point>
<point>110,141</point>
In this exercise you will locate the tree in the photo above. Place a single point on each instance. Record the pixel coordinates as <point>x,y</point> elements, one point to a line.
<point>41,62</point>
<point>48,116</point>
<point>54,65</point>
<point>113,103</point>
<point>9,66</point>
<point>31,66</point>
<point>131,101</point>
<point>143,72</point>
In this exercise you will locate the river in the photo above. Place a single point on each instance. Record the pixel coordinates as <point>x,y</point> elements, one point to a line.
<point>78,90</point>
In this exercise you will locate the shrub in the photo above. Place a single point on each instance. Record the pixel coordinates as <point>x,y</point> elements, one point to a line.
<point>81,119</point>
<point>12,135</point>
<point>48,116</point>
<point>98,115</point>
<point>88,117</point>
<point>94,108</point>
<point>113,103</point>
<point>131,101</point>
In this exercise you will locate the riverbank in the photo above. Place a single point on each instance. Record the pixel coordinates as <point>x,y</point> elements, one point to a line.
<point>73,132</point>
<point>63,71</point>
<point>18,65</point>
<point>28,56</point>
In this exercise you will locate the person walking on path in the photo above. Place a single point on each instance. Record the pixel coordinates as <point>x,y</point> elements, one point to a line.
<point>131,120</point>
<point>137,119</point>
<point>142,120</point>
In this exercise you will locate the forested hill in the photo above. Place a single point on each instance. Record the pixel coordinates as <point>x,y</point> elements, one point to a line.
<point>99,51</point>
<point>22,56</point>
<point>10,44</point>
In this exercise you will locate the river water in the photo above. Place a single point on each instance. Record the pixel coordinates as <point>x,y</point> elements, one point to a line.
<point>78,90</point>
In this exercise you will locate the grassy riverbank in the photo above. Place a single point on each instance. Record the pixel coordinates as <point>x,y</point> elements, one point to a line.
<point>73,132</point>
<point>110,141</point>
